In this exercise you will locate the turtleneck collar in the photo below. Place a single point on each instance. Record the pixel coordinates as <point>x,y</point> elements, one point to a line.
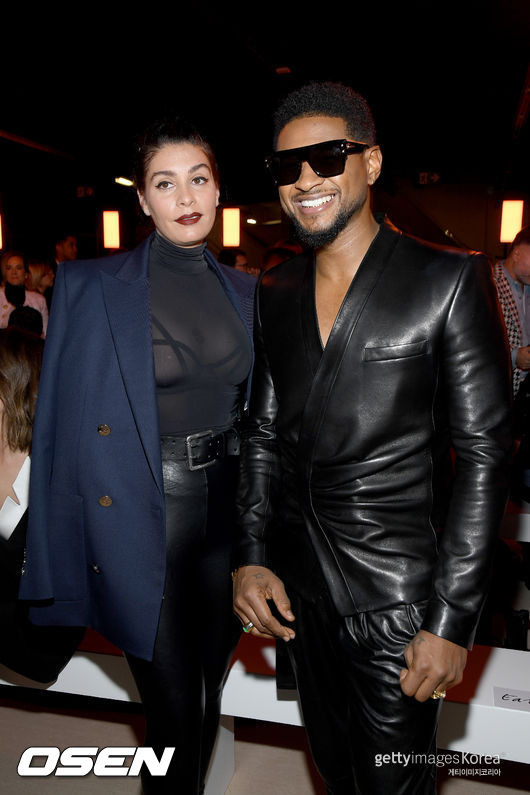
<point>15,294</point>
<point>178,258</point>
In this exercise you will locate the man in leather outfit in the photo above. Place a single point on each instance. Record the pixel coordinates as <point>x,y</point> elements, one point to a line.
<point>372,352</point>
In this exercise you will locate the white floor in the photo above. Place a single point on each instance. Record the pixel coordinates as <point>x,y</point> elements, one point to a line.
<point>270,758</point>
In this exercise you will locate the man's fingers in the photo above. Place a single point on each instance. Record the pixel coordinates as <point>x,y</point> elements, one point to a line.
<point>411,681</point>
<point>264,620</point>
<point>281,601</point>
<point>265,623</point>
<point>433,664</point>
<point>420,687</point>
<point>250,604</point>
<point>253,586</point>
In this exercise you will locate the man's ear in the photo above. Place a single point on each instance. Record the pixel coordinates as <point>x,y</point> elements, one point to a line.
<point>374,163</point>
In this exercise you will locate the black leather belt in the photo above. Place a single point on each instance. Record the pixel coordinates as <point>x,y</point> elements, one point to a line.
<point>201,449</point>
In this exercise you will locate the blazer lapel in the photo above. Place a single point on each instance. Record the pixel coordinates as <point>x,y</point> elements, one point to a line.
<point>127,299</point>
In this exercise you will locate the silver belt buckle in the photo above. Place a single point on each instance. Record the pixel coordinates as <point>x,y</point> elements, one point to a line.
<point>189,450</point>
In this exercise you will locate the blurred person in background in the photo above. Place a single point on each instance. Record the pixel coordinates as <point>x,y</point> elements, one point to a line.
<point>237,258</point>
<point>13,291</point>
<point>40,278</point>
<point>37,652</point>
<point>65,247</point>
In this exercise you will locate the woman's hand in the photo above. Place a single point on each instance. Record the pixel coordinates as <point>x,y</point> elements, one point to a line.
<point>253,586</point>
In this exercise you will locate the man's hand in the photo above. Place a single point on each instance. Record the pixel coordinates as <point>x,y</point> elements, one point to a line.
<point>253,585</point>
<point>434,663</point>
<point>522,360</point>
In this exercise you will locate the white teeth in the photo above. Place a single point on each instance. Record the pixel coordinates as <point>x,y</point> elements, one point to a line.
<point>316,202</point>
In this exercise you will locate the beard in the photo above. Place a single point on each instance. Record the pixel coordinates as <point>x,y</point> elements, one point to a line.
<point>321,237</point>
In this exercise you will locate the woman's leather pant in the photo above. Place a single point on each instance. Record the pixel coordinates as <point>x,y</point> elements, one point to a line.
<point>197,633</point>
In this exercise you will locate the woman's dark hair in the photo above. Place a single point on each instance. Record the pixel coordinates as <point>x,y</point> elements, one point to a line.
<point>20,365</point>
<point>170,130</point>
<point>327,99</point>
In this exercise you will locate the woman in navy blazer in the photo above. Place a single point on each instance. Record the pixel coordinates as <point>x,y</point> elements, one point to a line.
<point>145,373</point>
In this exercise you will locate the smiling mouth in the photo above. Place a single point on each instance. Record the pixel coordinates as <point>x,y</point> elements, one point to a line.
<point>314,204</point>
<point>319,201</point>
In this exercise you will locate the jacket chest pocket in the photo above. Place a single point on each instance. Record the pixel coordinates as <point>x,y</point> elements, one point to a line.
<point>388,353</point>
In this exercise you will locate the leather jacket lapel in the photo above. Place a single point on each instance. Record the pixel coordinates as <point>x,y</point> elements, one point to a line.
<point>374,263</point>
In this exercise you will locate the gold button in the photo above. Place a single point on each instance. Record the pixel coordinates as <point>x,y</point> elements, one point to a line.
<point>105,501</point>
<point>103,430</point>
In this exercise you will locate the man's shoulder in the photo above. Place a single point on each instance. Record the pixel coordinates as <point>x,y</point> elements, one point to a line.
<point>449,256</point>
<point>442,267</point>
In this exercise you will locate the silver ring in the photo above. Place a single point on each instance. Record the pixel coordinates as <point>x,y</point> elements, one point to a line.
<point>248,627</point>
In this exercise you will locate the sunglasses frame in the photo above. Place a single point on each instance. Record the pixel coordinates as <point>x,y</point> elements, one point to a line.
<point>345,148</point>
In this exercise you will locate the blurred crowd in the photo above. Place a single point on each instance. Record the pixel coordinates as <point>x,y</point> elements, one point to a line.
<point>26,287</point>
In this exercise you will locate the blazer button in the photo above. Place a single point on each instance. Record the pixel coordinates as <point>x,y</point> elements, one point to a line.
<point>95,568</point>
<point>103,430</point>
<point>105,501</point>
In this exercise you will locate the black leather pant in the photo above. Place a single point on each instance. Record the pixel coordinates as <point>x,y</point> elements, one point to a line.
<point>197,632</point>
<point>347,673</point>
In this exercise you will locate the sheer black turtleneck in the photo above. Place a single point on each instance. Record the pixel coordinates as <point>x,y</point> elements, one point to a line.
<point>201,348</point>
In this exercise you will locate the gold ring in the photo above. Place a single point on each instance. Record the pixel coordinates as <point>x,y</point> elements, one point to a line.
<point>248,627</point>
<point>436,694</point>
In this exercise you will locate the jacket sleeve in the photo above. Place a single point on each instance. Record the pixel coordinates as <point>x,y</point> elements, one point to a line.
<point>475,372</point>
<point>36,582</point>
<point>259,460</point>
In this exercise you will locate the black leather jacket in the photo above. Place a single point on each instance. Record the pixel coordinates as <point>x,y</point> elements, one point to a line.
<point>342,444</point>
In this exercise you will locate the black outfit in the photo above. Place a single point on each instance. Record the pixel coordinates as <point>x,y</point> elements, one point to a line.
<point>339,462</point>
<point>15,294</point>
<point>201,350</point>
<point>347,675</point>
<point>39,653</point>
<point>202,355</point>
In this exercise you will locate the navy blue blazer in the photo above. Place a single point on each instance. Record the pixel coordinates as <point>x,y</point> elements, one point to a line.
<point>96,534</point>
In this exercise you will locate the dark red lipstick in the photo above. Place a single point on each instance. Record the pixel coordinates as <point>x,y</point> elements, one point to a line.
<point>187,220</point>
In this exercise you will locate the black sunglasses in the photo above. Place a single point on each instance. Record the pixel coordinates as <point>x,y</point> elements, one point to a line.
<point>327,159</point>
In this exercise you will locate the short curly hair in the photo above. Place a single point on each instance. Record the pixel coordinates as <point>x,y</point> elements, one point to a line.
<point>327,99</point>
